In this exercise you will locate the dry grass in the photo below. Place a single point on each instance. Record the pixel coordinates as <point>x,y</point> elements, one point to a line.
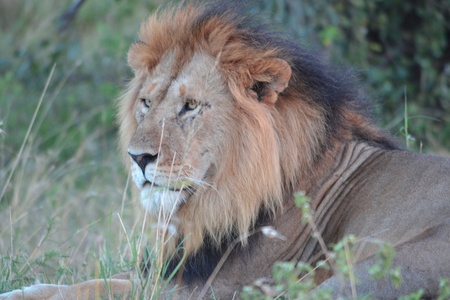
<point>60,216</point>
<point>63,222</point>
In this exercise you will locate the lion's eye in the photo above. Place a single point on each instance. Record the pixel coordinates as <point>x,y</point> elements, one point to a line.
<point>146,102</point>
<point>191,104</point>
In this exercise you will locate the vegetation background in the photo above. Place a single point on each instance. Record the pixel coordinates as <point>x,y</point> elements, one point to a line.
<point>65,208</point>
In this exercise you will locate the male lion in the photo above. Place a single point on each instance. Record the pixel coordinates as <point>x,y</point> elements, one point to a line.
<point>225,120</point>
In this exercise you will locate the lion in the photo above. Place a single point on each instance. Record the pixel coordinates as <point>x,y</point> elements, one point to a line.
<point>225,120</point>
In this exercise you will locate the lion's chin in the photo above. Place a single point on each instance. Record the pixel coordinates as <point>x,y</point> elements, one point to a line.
<point>159,201</point>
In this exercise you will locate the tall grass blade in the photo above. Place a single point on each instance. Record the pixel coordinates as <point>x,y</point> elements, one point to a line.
<point>19,155</point>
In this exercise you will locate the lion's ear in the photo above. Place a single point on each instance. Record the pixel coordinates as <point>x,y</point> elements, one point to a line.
<point>138,56</point>
<point>270,78</point>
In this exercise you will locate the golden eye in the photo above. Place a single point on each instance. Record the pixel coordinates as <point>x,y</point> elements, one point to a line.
<point>191,104</point>
<point>146,102</point>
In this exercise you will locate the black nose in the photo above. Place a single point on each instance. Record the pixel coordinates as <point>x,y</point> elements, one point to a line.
<point>143,160</point>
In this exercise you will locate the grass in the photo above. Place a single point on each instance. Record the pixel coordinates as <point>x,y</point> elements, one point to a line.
<point>66,211</point>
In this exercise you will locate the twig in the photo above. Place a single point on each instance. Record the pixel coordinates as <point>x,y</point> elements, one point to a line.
<point>66,18</point>
<point>222,261</point>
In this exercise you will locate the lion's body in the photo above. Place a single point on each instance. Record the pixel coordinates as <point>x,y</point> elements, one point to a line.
<point>365,193</point>
<point>225,121</point>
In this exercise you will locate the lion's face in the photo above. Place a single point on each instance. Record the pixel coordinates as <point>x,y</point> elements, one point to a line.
<point>201,123</point>
<point>179,133</point>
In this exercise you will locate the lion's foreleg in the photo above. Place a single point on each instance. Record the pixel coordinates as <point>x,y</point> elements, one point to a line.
<point>92,289</point>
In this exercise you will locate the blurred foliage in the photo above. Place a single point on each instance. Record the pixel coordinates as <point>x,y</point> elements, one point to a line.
<point>397,45</point>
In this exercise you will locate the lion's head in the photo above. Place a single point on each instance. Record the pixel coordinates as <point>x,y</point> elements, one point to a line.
<point>223,119</point>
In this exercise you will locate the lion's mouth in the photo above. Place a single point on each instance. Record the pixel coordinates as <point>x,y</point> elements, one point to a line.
<point>167,198</point>
<point>175,188</point>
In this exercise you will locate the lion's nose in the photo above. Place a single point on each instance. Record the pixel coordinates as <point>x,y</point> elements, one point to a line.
<point>143,159</point>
